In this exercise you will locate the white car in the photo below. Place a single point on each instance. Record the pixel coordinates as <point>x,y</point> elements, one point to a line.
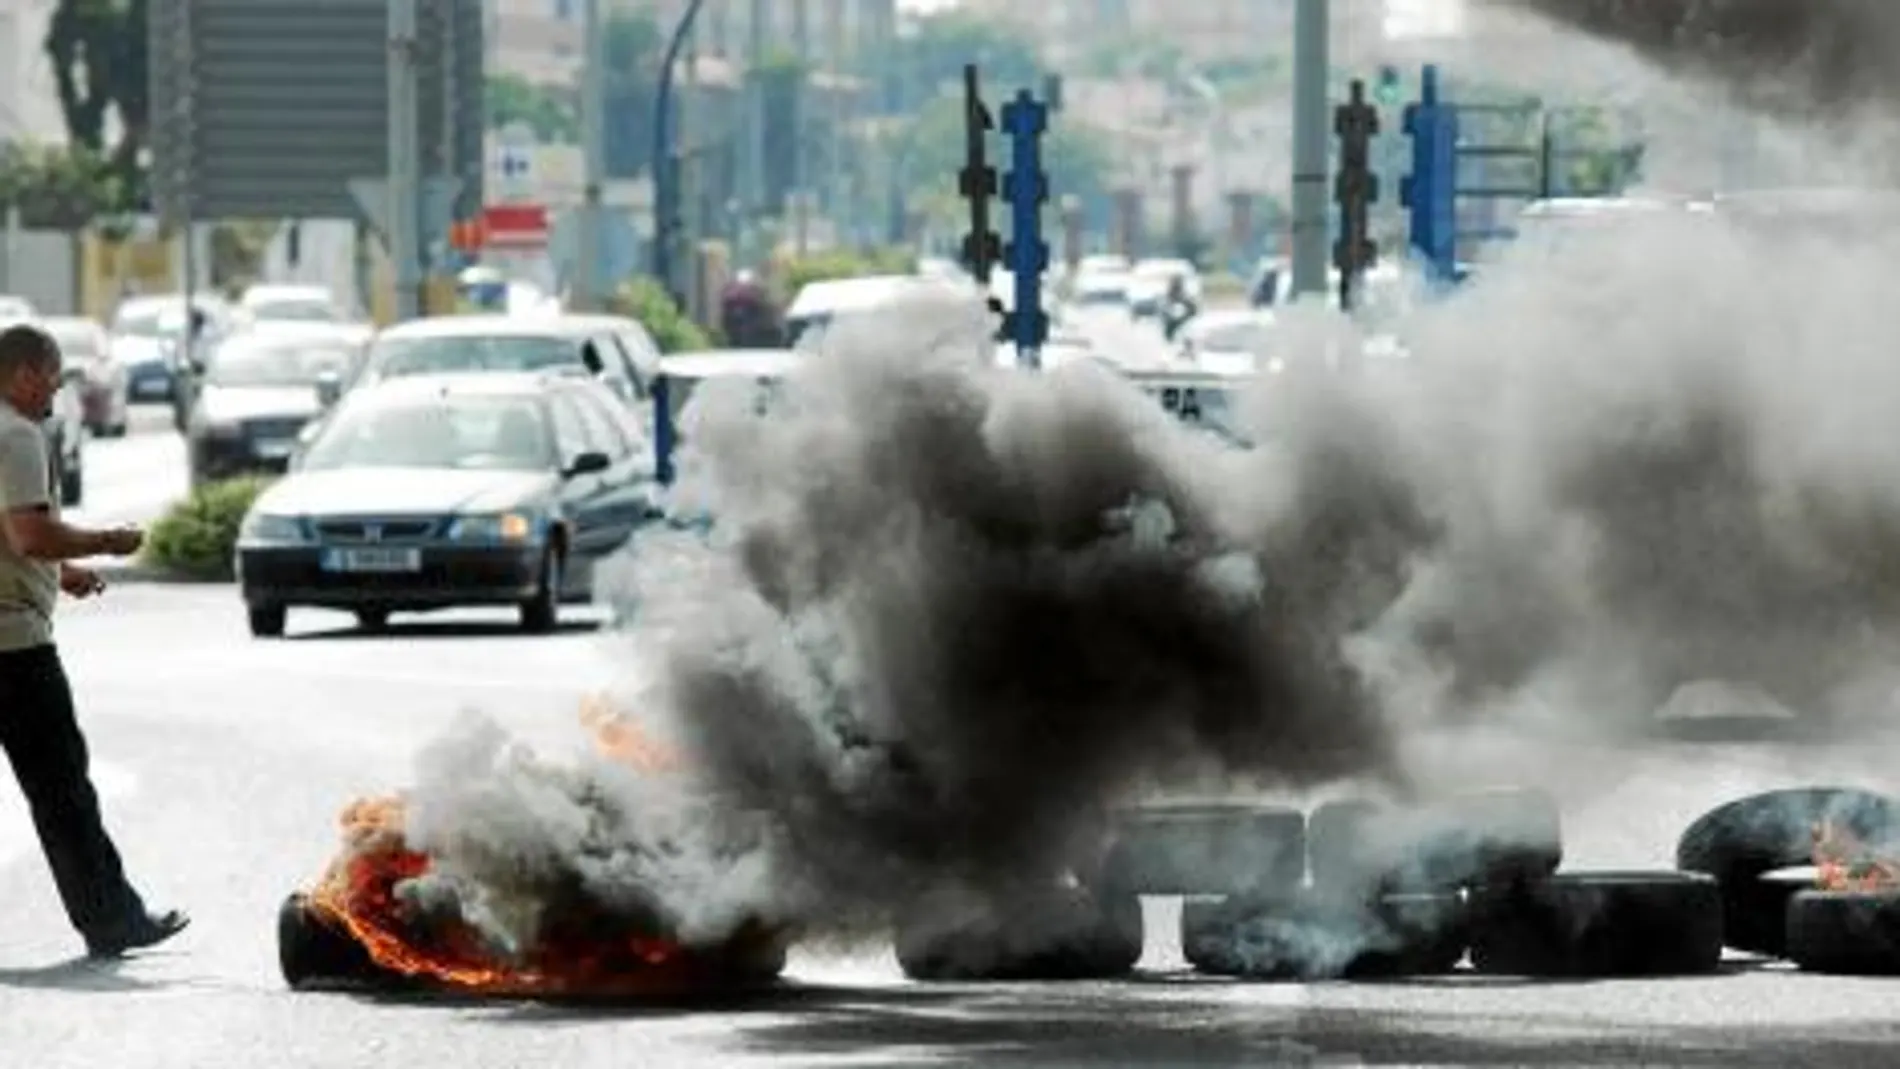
<point>1160,272</point>
<point>294,302</point>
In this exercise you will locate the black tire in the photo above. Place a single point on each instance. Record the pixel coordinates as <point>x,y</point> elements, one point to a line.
<point>267,621</point>
<point>1058,933</point>
<point>1359,848</point>
<point>1849,933</point>
<point>373,619</point>
<point>1599,924</point>
<point>315,953</point>
<point>1738,842</point>
<point>1312,936</point>
<point>541,614</point>
<point>1206,849</point>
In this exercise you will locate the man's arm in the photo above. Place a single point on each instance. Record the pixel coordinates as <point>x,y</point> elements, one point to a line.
<point>34,532</point>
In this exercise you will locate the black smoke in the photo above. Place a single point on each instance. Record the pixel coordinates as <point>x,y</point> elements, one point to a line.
<point>1796,57</point>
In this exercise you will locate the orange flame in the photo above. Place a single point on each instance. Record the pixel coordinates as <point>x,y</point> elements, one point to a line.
<point>598,955</point>
<point>620,739</point>
<point>1844,863</point>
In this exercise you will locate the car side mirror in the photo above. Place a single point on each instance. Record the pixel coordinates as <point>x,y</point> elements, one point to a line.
<point>588,464</point>
<point>329,388</point>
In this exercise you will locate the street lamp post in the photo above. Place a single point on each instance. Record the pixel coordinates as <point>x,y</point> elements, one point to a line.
<point>665,212</point>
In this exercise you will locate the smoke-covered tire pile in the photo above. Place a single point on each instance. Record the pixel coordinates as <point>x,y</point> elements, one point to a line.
<point>1364,891</point>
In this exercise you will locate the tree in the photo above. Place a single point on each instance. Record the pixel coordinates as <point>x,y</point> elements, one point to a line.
<point>633,49</point>
<point>547,110</point>
<point>911,70</point>
<point>55,188</point>
<point>100,59</point>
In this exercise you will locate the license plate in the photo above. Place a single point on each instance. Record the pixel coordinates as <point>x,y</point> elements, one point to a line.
<point>149,387</point>
<point>273,450</point>
<point>372,560</point>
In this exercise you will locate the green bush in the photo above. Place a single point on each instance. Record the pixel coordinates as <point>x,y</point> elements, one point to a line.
<point>673,330</point>
<point>197,537</point>
<point>827,266</point>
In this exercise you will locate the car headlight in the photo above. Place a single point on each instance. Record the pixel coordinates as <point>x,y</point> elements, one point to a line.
<point>266,527</point>
<point>496,527</point>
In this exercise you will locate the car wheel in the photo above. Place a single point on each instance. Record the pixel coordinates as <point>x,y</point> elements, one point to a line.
<point>372,619</point>
<point>542,613</point>
<point>267,621</point>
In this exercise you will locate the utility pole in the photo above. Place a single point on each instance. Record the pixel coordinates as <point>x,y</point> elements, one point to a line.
<point>405,178</point>
<point>1311,143</point>
<point>588,295</point>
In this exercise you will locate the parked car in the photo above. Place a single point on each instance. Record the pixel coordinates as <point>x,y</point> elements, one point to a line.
<point>427,491</point>
<point>102,386</point>
<point>14,308</point>
<point>147,340</point>
<point>271,302</point>
<point>258,390</point>
<point>490,343</point>
<point>65,433</point>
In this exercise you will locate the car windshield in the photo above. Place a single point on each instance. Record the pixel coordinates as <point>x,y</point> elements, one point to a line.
<point>295,310</point>
<point>276,362</point>
<point>76,342</point>
<point>151,321</point>
<point>397,357</point>
<point>465,433</point>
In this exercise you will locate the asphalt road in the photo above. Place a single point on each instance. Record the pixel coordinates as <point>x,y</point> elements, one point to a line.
<point>224,762</point>
<point>132,479</point>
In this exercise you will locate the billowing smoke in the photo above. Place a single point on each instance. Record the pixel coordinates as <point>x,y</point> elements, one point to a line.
<point>946,613</point>
<point>1802,56</point>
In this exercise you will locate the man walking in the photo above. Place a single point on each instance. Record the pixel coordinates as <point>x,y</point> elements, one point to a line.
<point>38,727</point>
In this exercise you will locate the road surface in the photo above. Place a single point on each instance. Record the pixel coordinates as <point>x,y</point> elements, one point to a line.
<point>133,479</point>
<point>224,761</point>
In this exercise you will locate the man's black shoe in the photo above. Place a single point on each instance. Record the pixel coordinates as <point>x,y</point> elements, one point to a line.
<point>148,930</point>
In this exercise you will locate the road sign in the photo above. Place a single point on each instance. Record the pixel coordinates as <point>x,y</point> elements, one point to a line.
<point>268,108</point>
<point>515,226</point>
<point>439,196</point>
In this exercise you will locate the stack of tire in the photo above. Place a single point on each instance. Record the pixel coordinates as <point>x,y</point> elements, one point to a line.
<point>1754,847</point>
<point>1394,892</point>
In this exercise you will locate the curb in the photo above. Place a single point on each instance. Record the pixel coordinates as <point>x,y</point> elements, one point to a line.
<point>129,573</point>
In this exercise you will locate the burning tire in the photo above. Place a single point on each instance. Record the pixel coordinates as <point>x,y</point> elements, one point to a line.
<point>316,953</point>
<point>1742,841</point>
<point>1357,847</point>
<point>1599,924</point>
<point>1060,933</point>
<point>1310,936</point>
<point>1849,933</point>
<point>1212,849</point>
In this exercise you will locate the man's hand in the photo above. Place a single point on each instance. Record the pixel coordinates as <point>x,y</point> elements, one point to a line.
<point>80,582</point>
<point>122,541</point>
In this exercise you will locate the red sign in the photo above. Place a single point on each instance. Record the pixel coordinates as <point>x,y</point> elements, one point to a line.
<point>515,226</point>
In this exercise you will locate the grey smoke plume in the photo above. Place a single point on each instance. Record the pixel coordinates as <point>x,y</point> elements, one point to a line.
<point>1800,56</point>
<point>948,613</point>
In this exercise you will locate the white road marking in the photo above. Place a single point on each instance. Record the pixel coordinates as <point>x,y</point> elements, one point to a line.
<point>114,782</point>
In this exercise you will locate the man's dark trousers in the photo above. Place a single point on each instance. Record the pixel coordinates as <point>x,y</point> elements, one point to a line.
<point>40,733</point>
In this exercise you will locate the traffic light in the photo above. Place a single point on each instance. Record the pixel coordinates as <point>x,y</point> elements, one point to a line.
<point>1026,190</point>
<point>976,183</point>
<point>1390,87</point>
<point>1356,189</point>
